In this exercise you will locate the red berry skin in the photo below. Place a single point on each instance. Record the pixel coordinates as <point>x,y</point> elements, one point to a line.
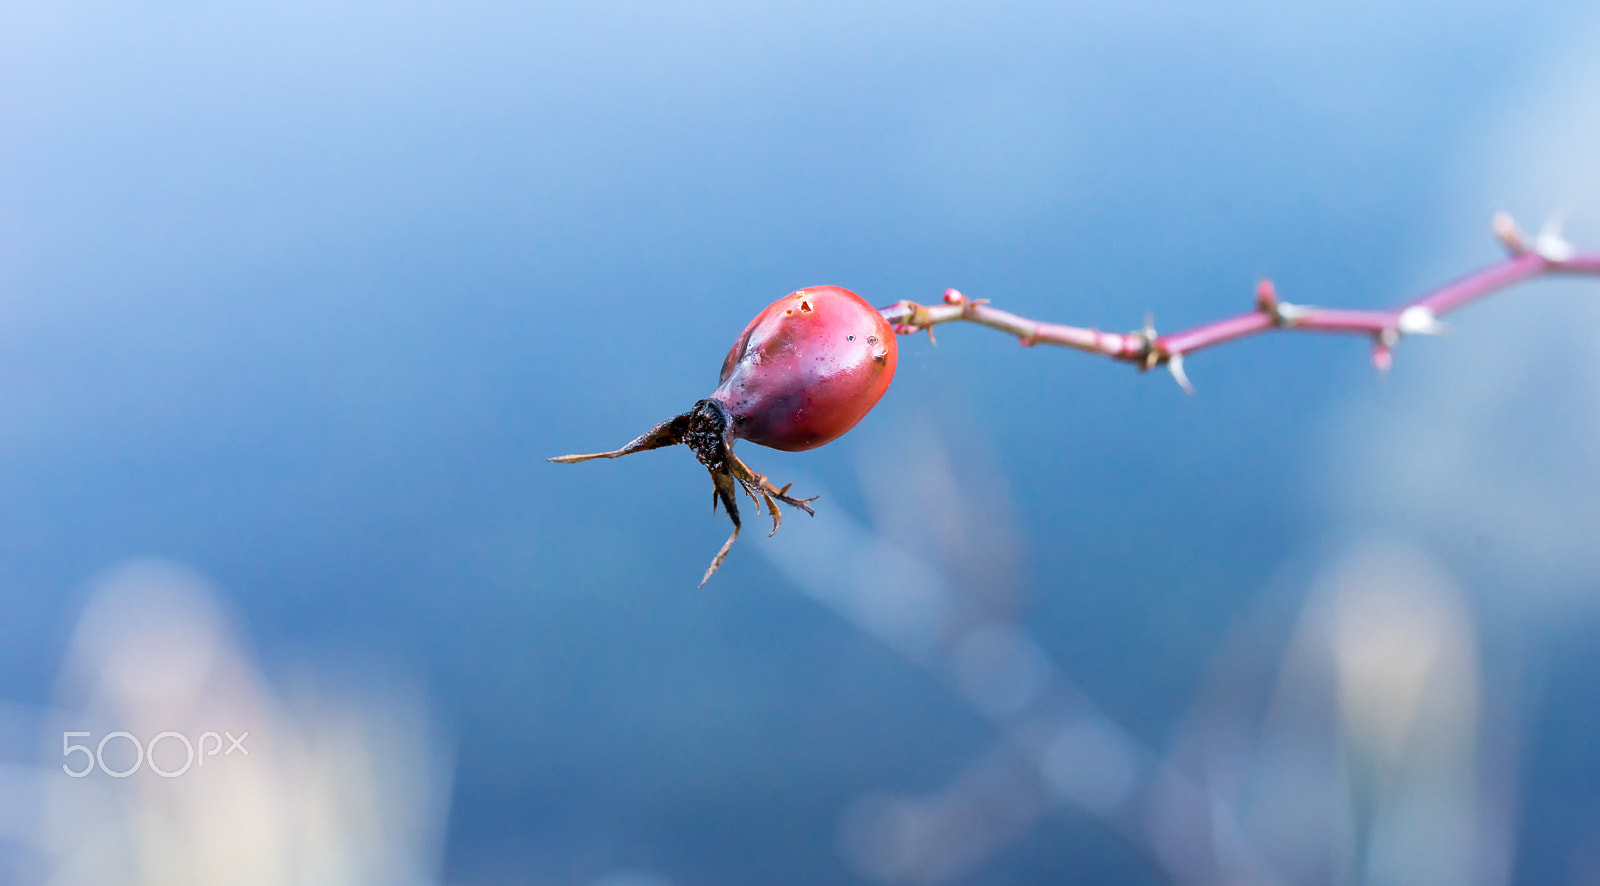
<point>806,369</point>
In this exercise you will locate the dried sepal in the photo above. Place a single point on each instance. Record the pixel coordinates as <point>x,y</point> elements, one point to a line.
<point>669,433</point>
<point>706,430</point>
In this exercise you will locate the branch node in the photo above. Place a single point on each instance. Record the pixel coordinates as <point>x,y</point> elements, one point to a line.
<point>911,317</point>
<point>1283,314</point>
<point>1149,355</point>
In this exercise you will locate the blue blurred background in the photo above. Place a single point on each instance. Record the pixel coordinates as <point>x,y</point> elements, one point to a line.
<point>300,296</point>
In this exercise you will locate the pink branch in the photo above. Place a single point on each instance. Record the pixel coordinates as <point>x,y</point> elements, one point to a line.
<point>1546,254</point>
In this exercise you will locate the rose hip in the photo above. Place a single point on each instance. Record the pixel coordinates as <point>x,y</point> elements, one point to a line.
<point>804,372</point>
<point>807,369</point>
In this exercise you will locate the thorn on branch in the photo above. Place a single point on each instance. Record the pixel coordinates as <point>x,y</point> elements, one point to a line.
<point>1289,315</point>
<point>1418,320</point>
<point>1550,244</point>
<point>1175,366</point>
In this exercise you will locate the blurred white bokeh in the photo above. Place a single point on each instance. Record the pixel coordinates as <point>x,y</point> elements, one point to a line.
<point>338,788</point>
<point>1369,763</point>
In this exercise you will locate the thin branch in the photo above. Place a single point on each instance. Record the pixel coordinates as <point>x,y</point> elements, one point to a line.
<point>1547,253</point>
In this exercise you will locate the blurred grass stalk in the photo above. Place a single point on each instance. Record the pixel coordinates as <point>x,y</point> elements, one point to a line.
<point>1356,756</point>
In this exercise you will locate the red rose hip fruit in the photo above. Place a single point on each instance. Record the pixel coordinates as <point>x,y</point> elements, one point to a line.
<point>804,372</point>
<point>807,369</point>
